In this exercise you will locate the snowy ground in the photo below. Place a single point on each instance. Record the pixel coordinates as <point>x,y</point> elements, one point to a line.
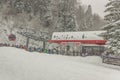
<point>18,64</point>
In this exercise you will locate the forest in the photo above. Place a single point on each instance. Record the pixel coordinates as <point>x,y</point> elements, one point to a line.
<point>49,15</point>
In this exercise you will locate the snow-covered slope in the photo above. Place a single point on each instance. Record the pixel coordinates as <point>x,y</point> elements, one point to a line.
<point>18,64</point>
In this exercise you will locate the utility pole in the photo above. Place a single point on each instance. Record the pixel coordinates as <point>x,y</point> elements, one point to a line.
<point>27,43</point>
<point>44,43</point>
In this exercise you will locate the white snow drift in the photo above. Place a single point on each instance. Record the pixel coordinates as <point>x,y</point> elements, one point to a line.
<point>18,64</point>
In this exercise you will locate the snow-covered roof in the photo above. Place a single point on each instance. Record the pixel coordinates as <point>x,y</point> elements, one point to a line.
<point>82,35</point>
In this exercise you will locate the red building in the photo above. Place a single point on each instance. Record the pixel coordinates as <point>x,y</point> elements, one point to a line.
<point>87,42</point>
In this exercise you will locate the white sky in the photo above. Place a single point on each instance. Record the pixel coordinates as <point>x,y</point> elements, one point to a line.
<point>98,6</point>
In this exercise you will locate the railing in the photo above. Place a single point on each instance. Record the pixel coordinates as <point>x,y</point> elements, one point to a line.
<point>111,60</point>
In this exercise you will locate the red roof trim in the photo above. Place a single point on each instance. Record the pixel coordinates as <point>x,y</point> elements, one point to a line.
<point>101,42</point>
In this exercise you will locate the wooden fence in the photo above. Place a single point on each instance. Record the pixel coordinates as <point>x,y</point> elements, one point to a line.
<point>111,60</point>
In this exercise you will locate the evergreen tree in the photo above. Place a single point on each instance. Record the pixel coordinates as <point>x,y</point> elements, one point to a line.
<point>113,38</point>
<point>113,28</point>
<point>66,16</point>
<point>89,18</point>
<point>113,10</point>
<point>81,18</point>
<point>98,22</point>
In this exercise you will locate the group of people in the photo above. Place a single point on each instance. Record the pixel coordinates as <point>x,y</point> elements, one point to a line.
<point>30,48</point>
<point>13,45</point>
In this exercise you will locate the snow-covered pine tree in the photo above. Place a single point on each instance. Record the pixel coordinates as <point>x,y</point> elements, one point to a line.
<point>113,28</point>
<point>97,22</point>
<point>113,10</point>
<point>113,38</point>
<point>81,18</point>
<point>89,18</point>
<point>66,16</point>
<point>17,5</point>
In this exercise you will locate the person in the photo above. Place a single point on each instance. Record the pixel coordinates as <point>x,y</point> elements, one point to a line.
<point>45,50</point>
<point>42,50</point>
<point>49,51</point>
<point>17,46</point>
<point>25,47</point>
<point>30,49</point>
<point>35,49</point>
<point>83,54</point>
<point>73,52</point>
<point>39,49</point>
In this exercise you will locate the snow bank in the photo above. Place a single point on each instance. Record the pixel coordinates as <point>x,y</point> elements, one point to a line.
<point>18,64</point>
